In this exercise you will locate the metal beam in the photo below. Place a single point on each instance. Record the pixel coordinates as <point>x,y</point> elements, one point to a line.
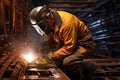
<point>69,6</point>
<point>77,10</point>
<point>75,2</point>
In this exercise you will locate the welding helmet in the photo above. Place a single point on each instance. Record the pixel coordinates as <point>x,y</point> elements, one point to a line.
<point>37,16</point>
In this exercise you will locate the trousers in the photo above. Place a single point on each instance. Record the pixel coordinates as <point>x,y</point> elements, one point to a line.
<point>75,68</point>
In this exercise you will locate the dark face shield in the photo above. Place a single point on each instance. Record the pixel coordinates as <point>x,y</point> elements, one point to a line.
<point>40,27</point>
<point>42,24</point>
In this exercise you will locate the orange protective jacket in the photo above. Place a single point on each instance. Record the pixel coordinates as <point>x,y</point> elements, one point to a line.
<point>69,32</point>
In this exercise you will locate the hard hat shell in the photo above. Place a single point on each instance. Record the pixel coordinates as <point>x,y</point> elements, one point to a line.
<point>34,18</point>
<point>34,14</point>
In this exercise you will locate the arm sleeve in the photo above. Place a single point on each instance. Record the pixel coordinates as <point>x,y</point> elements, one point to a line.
<point>69,35</point>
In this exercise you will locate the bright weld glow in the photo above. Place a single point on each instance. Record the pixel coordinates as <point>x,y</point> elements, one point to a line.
<point>29,57</point>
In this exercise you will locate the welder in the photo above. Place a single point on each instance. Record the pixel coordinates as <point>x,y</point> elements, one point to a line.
<point>72,36</point>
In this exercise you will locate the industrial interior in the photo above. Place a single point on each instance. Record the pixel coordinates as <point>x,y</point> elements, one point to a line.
<point>17,37</point>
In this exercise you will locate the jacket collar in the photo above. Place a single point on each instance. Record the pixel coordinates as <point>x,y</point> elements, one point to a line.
<point>57,18</point>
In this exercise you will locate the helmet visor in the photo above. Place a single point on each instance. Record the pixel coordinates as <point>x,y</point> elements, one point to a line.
<point>42,25</point>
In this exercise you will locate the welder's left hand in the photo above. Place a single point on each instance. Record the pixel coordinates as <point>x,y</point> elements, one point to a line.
<point>45,59</point>
<point>51,56</point>
<point>41,60</point>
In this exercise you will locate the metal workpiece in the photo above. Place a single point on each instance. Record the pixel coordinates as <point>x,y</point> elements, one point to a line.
<point>50,71</point>
<point>42,72</point>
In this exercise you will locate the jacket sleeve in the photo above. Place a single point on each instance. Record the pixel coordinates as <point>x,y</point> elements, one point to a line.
<point>69,35</point>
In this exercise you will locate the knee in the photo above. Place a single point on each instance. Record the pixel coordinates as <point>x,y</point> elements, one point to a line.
<point>89,67</point>
<point>66,61</point>
<point>71,60</point>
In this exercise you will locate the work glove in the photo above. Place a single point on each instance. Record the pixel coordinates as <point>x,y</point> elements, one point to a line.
<point>51,56</point>
<point>45,59</point>
<point>41,60</point>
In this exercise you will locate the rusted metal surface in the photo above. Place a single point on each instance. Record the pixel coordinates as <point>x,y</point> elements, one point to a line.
<point>13,67</point>
<point>10,66</point>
